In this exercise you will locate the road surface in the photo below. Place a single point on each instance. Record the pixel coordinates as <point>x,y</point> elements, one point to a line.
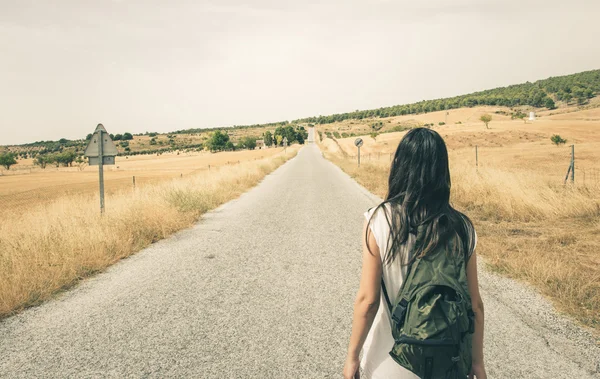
<point>262,287</point>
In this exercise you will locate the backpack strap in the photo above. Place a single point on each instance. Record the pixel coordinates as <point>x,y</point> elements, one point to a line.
<point>402,304</point>
<point>385,294</point>
<point>399,311</point>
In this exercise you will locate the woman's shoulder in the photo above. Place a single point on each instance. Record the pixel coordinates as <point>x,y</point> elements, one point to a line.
<point>469,232</point>
<point>378,213</point>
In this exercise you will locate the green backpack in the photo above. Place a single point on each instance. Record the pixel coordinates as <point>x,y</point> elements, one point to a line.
<point>432,320</point>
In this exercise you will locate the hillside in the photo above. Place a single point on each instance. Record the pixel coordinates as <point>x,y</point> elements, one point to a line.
<point>549,93</point>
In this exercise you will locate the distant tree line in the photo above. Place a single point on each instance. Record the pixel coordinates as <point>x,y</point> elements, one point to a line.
<point>220,141</point>
<point>204,130</point>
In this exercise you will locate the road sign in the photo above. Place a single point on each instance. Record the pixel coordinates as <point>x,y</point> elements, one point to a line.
<point>101,146</point>
<point>358,143</point>
<point>101,150</point>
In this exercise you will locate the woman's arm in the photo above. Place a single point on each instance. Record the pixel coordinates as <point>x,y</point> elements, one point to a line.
<point>478,368</point>
<point>366,303</point>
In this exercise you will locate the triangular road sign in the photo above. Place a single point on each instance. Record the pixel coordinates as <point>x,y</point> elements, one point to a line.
<point>108,146</point>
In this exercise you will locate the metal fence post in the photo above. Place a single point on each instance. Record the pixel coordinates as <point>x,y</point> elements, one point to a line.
<point>571,170</point>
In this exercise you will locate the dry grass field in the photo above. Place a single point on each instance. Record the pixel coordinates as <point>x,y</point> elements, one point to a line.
<point>530,225</point>
<point>26,185</point>
<point>62,239</point>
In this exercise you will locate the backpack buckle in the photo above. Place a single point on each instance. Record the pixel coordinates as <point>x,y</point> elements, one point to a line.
<point>400,311</point>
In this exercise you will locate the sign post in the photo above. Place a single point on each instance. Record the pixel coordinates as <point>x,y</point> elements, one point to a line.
<point>358,142</point>
<point>285,142</point>
<point>101,151</point>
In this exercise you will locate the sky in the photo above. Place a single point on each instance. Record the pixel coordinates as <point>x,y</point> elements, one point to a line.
<point>137,66</point>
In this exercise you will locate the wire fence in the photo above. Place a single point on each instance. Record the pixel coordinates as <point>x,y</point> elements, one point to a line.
<point>586,174</point>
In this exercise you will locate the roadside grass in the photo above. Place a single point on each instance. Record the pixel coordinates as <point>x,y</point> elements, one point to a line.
<point>529,228</point>
<point>52,247</point>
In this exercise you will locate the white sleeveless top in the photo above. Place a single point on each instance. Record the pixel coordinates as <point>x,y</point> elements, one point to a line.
<point>376,362</point>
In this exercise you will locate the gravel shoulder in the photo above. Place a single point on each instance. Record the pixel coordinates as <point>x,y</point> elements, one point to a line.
<point>261,287</point>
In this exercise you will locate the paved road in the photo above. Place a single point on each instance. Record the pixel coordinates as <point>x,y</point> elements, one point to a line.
<point>260,288</point>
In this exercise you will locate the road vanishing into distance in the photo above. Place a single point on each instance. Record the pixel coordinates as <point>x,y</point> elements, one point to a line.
<point>262,287</point>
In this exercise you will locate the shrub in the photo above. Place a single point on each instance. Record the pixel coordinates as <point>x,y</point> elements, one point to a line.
<point>557,140</point>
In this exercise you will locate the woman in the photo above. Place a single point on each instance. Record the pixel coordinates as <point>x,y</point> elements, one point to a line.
<point>418,195</point>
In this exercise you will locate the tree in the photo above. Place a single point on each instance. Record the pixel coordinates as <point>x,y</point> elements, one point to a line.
<point>557,140</point>
<point>549,103</point>
<point>248,143</point>
<point>268,137</point>
<point>218,141</point>
<point>301,135</point>
<point>118,137</point>
<point>290,134</point>
<point>486,118</point>
<point>88,137</point>
<point>279,139</point>
<point>41,160</point>
<point>65,158</point>
<point>127,137</point>
<point>7,160</point>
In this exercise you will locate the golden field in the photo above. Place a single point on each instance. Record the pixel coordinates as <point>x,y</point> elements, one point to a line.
<point>26,185</point>
<point>530,225</point>
<point>56,243</point>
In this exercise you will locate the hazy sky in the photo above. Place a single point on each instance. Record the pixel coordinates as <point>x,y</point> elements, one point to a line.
<point>138,66</point>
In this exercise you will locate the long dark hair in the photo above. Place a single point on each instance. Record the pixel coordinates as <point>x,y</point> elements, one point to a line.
<point>418,199</point>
